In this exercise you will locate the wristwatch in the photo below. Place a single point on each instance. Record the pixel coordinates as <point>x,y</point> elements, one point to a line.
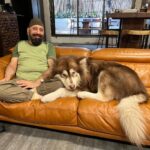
<point>41,80</point>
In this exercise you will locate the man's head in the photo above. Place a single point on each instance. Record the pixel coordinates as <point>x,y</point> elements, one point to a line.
<point>35,31</point>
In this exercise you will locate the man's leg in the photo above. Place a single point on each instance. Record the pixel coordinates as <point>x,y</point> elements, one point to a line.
<point>11,92</point>
<point>49,86</point>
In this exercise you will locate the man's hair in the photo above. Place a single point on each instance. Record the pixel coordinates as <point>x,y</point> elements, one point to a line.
<point>36,21</point>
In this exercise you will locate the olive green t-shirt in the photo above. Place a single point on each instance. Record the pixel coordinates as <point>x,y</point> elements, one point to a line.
<point>32,60</point>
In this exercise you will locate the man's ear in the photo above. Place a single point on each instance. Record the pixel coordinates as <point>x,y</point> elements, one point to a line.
<point>28,31</point>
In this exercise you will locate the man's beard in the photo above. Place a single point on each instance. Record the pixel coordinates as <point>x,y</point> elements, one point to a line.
<point>36,41</point>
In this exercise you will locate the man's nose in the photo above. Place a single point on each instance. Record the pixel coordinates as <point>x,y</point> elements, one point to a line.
<point>38,31</point>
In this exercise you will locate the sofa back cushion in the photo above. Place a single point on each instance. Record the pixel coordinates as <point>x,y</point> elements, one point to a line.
<point>60,112</point>
<point>136,59</point>
<point>122,55</point>
<point>77,51</point>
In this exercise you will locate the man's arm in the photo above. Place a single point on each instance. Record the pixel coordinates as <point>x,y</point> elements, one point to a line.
<point>11,69</point>
<point>49,72</point>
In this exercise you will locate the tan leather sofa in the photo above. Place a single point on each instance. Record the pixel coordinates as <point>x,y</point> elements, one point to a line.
<point>88,117</point>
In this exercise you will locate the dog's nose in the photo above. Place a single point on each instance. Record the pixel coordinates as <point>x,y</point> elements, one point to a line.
<point>72,87</point>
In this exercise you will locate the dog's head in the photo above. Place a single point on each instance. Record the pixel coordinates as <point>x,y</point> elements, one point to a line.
<point>69,72</point>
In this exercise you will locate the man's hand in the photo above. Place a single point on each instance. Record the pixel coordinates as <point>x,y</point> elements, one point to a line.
<point>28,84</point>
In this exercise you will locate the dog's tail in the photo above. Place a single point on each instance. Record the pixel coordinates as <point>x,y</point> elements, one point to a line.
<point>131,118</point>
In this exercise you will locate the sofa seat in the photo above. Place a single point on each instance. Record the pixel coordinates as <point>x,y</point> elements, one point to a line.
<point>103,117</point>
<point>59,112</point>
<point>99,116</point>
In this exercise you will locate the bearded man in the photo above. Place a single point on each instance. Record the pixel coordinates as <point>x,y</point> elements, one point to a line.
<point>32,62</point>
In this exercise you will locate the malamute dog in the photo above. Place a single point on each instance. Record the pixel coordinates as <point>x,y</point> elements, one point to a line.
<point>104,81</point>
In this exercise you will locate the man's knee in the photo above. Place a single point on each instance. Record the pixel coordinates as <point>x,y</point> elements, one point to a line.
<point>48,87</point>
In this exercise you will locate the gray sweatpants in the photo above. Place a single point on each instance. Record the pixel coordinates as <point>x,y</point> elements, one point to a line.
<point>11,92</point>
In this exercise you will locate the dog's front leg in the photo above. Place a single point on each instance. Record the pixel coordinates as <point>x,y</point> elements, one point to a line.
<point>61,92</point>
<point>97,96</point>
<point>86,94</point>
<point>53,96</point>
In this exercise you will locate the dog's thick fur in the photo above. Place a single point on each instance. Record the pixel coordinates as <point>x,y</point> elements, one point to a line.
<point>105,81</point>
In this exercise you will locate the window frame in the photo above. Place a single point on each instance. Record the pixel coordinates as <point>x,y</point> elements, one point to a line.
<point>52,19</point>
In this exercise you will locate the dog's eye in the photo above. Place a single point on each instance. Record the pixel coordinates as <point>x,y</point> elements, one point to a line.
<point>63,75</point>
<point>73,74</point>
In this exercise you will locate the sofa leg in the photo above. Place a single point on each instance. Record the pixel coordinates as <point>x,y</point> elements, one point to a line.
<point>2,127</point>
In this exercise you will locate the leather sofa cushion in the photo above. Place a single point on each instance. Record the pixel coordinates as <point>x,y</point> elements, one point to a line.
<point>142,69</point>
<point>136,59</point>
<point>59,112</point>
<point>121,54</point>
<point>103,117</point>
<point>78,51</point>
<point>99,116</point>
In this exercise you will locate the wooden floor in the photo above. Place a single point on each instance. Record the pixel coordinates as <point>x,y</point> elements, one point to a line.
<point>18,137</point>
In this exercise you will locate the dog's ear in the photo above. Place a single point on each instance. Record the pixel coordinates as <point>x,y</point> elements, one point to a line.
<point>83,60</point>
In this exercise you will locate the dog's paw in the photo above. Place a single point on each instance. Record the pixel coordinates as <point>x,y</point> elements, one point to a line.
<point>52,96</point>
<point>44,99</point>
<point>81,95</point>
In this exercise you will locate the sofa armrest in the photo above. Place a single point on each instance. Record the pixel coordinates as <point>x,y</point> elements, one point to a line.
<point>4,61</point>
<point>2,70</point>
<point>2,74</point>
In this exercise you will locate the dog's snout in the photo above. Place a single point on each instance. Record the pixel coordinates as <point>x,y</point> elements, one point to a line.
<point>72,86</point>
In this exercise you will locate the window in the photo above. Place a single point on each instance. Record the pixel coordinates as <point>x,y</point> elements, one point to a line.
<point>83,17</point>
